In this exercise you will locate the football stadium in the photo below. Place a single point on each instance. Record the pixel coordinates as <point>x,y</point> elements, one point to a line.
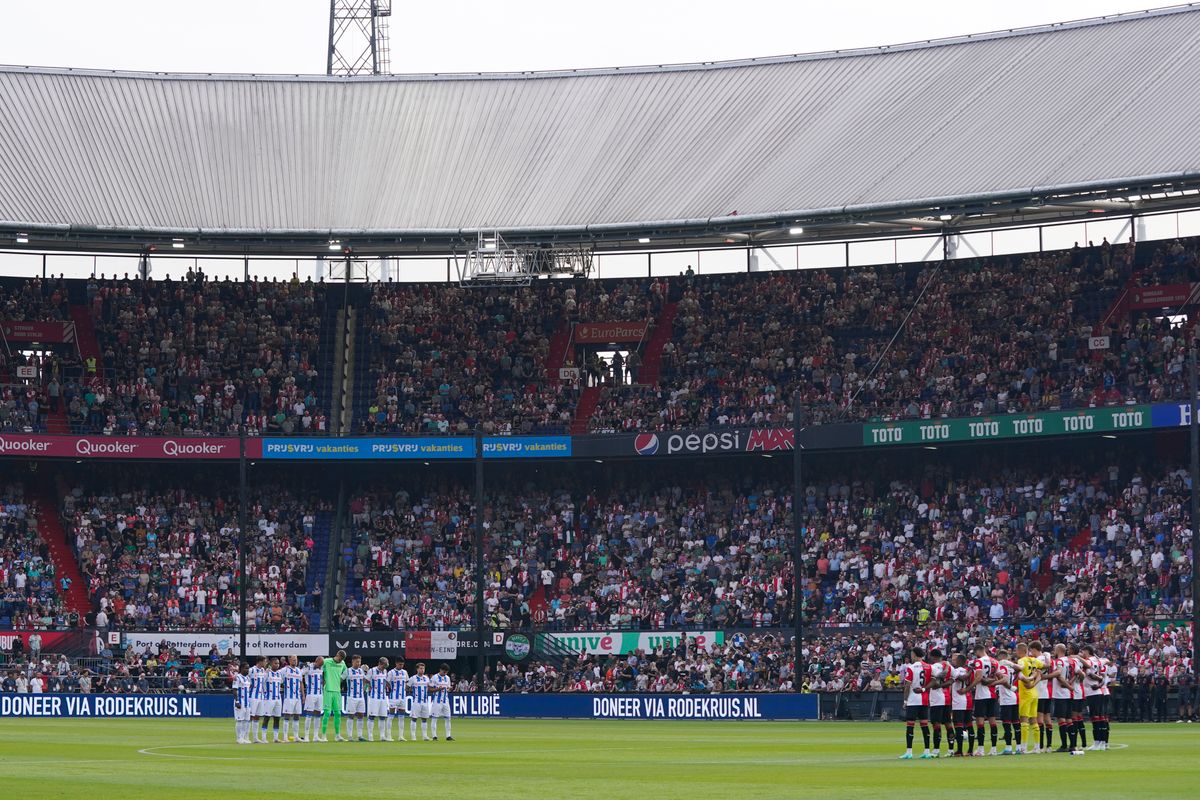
<point>774,427</point>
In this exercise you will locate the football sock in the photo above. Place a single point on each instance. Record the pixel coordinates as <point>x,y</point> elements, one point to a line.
<point>447,721</point>
<point>1081,729</point>
<point>924,732</point>
<point>995,734</point>
<point>908,735</point>
<point>1008,734</point>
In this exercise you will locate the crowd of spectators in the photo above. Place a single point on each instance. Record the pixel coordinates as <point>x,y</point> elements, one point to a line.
<point>959,543</point>
<point>167,559</point>
<point>30,591</point>
<point>963,338</point>
<point>195,357</point>
<point>34,300</point>
<point>162,669</point>
<point>1176,261</point>
<point>1153,661</point>
<point>620,301</point>
<point>445,358</point>
<point>997,335</point>
<point>648,559</point>
<point>1044,544</point>
<point>411,564</point>
<point>25,404</point>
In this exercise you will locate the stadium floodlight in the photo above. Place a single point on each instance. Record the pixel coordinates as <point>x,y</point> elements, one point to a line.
<point>493,262</point>
<point>945,217</point>
<point>795,231</point>
<point>643,240</point>
<point>334,244</point>
<point>177,244</point>
<point>22,238</point>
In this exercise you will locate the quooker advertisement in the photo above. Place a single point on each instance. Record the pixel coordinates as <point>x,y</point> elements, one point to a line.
<point>133,447</point>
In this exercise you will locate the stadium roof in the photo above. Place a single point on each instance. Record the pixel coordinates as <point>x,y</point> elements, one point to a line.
<point>894,135</point>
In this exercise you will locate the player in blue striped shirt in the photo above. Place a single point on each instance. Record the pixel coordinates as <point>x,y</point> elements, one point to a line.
<point>258,691</point>
<point>243,690</point>
<point>273,702</point>
<point>377,700</point>
<point>293,693</point>
<point>314,688</point>
<point>440,687</point>
<point>419,684</point>
<point>397,690</point>
<point>356,698</point>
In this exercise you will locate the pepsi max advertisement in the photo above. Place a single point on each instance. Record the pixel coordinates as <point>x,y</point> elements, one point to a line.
<point>731,441</point>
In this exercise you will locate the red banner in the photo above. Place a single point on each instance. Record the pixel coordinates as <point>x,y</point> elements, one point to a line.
<point>76,644</point>
<point>1164,296</point>
<point>19,331</point>
<point>417,644</point>
<point>106,447</point>
<point>431,645</point>
<point>604,332</point>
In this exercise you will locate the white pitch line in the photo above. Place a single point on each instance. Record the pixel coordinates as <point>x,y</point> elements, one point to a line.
<point>45,761</point>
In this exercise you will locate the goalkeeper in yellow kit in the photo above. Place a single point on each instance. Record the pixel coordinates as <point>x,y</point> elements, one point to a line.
<point>1030,672</point>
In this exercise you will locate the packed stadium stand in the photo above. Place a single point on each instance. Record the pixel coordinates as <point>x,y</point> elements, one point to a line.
<point>162,554</point>
<point>196,357</point>
<point>350,406</point>
<point>968,338</point>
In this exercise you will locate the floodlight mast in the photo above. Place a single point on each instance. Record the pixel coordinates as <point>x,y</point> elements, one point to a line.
<point>358,38</point>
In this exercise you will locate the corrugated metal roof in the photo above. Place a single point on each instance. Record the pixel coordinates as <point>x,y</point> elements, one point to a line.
<point>1079,103</point>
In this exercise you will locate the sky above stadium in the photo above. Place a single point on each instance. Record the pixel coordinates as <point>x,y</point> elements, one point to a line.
<point>269,36</point>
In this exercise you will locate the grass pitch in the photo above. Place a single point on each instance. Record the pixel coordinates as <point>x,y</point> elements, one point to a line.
<point>128,759</point>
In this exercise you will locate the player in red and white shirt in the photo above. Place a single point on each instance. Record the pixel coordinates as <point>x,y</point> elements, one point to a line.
<point>1077,696</point>
<point>917,676</point>
<point>940,701</point>
<point>1006,699</point>
<point>1094,685</point>
<point>1110,675</point>
<point>985,697</point>
<point>962,701</point>
<point>1062,688</point>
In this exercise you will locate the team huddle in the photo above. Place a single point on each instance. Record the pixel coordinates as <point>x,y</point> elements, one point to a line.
<point>1024,692</point>
<point>289,693</point>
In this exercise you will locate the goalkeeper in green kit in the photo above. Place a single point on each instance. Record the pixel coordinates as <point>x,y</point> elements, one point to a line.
<point>332,670</point>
